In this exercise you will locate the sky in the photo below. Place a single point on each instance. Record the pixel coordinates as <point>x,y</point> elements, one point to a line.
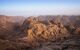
<point>39,7</point>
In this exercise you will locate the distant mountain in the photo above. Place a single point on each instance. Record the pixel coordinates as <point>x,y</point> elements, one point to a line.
<point>13,19</point>
<point>9,25</point>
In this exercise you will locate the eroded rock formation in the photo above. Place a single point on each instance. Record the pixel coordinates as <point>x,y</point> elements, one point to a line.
<point>40,33</point>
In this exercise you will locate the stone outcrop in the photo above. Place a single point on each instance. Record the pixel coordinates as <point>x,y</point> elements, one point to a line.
<point>39,31</point>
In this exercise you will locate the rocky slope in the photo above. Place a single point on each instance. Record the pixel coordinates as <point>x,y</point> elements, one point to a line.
<point>40,33</point>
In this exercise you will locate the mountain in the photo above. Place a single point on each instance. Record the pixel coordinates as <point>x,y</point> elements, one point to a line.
<point>40,33</point>
<point>10,25</point>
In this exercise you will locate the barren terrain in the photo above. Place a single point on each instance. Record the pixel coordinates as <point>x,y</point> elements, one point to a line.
<point>40,33</point>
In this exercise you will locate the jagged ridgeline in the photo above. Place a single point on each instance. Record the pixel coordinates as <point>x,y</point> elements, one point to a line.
<point>39,33</point>
<point>49,30</point>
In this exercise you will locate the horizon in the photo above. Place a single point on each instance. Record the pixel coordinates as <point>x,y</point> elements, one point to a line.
<point>39,7</point>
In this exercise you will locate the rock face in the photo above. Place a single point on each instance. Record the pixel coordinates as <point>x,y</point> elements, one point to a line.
<point>40,33</point>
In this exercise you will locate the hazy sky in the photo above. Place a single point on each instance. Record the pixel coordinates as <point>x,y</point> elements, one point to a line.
<point>39,7</point>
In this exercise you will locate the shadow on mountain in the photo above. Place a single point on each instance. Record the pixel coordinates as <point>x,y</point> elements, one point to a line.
<point>40,33</point>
